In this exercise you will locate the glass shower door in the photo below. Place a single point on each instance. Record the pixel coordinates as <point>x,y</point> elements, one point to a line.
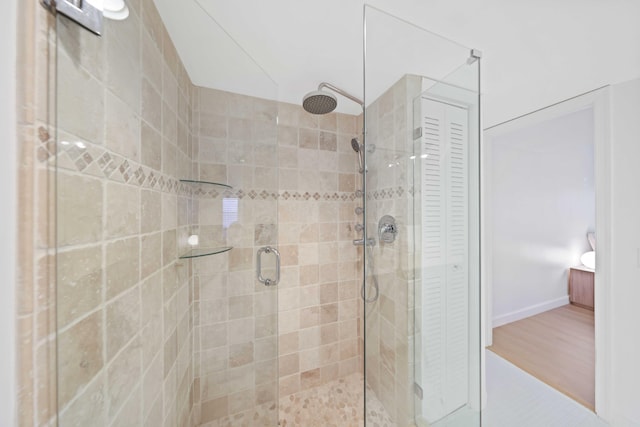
<point>166,191</point>
<point>422,336</point>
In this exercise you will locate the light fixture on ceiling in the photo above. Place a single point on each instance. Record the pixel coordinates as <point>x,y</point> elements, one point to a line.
<point>116,10</point>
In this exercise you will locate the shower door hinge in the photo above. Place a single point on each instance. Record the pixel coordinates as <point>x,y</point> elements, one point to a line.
<point>474,55</point>
<point>79,11</point>
<point>417,390</point>
<point>417,133</point>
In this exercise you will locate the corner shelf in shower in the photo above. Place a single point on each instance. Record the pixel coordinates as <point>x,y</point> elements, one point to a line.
<point>200,252</point>
<point>205,183</point>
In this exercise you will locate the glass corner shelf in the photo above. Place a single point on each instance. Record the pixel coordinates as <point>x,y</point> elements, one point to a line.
<point>195,182</point>
<point>200,252</point>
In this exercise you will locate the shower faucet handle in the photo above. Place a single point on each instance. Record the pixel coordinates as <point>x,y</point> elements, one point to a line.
<point>359,227</point>
<point>360,242</point>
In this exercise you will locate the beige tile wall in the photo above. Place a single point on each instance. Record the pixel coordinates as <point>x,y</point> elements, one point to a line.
<point>389,321</point>
<point>127,311</point>
<point>125,302</point>
<point>294,185</point>
<point>319,296</point>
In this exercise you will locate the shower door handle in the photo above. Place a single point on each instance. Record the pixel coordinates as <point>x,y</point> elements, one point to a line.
<point>267,281</point>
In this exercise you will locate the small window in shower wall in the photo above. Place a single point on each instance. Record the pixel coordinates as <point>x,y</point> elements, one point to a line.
<point>229,212</point>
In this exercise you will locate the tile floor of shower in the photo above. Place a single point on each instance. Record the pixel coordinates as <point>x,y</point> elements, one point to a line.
<point>513,398</point>
<point>335,404</point>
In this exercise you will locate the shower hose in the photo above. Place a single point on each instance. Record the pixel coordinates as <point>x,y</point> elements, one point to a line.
<point>369,255</point>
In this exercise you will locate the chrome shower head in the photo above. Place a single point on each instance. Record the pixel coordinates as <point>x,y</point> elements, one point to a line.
<point>319,102</point>
<point>323,102</point>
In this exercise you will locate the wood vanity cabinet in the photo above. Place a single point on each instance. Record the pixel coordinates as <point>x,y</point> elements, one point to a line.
<point>581,281</point>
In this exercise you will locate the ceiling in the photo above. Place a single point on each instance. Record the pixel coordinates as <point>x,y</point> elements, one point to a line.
<point>535,52</point>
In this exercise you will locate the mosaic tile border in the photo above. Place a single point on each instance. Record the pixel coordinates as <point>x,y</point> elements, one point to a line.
<point>273,195</point>
<point>390,193</point>
<point>95,160</point>
<point>98,161</point>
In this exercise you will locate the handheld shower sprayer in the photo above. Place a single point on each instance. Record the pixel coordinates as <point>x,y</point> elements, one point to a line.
<point>359,151</point>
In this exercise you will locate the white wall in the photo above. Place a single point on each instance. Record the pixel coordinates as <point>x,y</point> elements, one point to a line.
<point>7,211</point>
<point>542,197</point>
<point>625,254</point>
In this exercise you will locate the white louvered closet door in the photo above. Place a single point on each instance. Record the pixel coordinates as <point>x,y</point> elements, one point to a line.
<point>445,310</point>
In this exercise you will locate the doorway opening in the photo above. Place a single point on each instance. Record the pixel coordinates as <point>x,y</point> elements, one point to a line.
<point>540,175</point>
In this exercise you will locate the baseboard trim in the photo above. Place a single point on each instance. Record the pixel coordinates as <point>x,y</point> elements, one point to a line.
<point>529,311</point>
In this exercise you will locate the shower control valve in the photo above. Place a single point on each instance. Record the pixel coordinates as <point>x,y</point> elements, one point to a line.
<point>387,229</point>
<point>359,227</point>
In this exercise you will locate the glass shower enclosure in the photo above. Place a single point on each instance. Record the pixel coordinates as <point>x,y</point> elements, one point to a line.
<point>166,191</point>
<point>422,131</point>
<point>208,269</point>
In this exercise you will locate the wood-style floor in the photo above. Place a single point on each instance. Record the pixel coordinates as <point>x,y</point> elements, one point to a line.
<point>557,347</point>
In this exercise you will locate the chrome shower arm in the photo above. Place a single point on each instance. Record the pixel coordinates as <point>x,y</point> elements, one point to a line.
<point>341,92</point>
